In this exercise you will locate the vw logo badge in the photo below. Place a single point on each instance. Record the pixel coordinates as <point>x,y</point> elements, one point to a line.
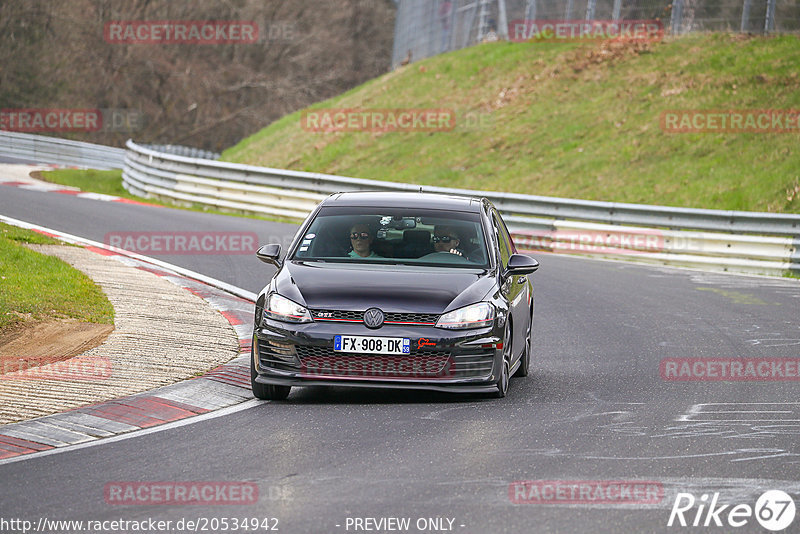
<point>373,318</point>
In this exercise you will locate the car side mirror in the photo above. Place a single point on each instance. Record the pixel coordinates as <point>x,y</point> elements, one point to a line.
<point>521,264</point>
<point>270,254</point>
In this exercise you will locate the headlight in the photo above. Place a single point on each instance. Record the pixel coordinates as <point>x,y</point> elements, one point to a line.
<point>283,309</point>
<point>474,316</point>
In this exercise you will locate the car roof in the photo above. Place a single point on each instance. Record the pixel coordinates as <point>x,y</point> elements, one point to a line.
<point>394,199</point>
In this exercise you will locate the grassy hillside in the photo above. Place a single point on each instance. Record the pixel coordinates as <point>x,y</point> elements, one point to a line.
<point>572,120</point>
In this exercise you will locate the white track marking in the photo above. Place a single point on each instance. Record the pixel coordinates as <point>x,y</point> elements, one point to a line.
<point>246,405</point>
<point>69,238</point>
<point>752,412</point>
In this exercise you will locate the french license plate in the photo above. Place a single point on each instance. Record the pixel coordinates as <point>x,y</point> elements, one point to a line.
<point>372,345</point>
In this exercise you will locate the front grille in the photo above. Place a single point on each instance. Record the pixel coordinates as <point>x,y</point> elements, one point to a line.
<point>411,318</point>
<point>419,364</point>
<point>338,315</point>
<point>326,362</point>
<point>427,319</point>
<point>429,364</point>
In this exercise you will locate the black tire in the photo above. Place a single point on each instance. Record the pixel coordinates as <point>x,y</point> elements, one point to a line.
<point>505,370</point>
<point>525,364</point>
<point>265,391</point>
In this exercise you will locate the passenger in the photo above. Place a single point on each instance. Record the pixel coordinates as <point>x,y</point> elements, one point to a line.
<point>446,239</point>
<point>361,238</point>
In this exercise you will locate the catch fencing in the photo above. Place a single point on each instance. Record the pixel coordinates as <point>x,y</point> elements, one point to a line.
<point>425,28</point>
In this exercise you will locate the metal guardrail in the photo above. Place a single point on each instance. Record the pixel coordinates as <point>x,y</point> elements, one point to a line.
<point>711,239</point>
<point>723,240</point>
<point>179,150</point>
<point>53,150</point>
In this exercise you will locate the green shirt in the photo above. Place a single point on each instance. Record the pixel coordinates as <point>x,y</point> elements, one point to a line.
<point>354,254</point>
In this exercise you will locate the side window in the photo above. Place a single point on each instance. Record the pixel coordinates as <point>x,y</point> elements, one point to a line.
<point>504,230</point>
<point>503,240</point>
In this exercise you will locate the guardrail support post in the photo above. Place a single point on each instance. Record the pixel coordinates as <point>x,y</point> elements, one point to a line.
<point>794,259</point>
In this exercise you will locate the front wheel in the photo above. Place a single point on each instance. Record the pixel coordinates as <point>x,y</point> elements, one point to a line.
<point>265,391</point>
<point>502,384</point>
<point>525,361</point>
<point>505,369</point>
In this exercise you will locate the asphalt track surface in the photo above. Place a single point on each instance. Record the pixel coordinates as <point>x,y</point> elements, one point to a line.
<point>595,408</point>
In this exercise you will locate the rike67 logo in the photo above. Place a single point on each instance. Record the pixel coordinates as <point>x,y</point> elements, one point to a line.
<point>774,510</point>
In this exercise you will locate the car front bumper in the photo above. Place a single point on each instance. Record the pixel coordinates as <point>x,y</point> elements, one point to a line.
<point>466,361</point>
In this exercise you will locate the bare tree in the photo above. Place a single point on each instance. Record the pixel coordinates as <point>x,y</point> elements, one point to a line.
<point>54,55</point>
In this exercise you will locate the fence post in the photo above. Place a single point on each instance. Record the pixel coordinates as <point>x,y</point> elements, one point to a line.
<point>483,21</point>
<point>677,17</point>
<point>502,23</point>
<point>568,13</point>
<point>617,8</point>
<point>745,16</point>
<point>470,11</point>
<point>530,10</point>
<point>769,23</point>
<point>590,7</point>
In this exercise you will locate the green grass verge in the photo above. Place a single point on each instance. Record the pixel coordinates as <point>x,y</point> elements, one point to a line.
<point>38,287</point>
<point>110,183</point>
<point>572,120</point>
<point>96,181</point>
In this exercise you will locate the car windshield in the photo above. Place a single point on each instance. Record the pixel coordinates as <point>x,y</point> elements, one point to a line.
<point>395,236</point>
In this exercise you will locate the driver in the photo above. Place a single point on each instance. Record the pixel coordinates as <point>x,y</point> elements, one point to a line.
<point>446,239</point>
<point>361,238</point>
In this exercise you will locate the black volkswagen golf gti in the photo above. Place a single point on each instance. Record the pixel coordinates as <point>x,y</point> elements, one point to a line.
<point>395,290</point>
